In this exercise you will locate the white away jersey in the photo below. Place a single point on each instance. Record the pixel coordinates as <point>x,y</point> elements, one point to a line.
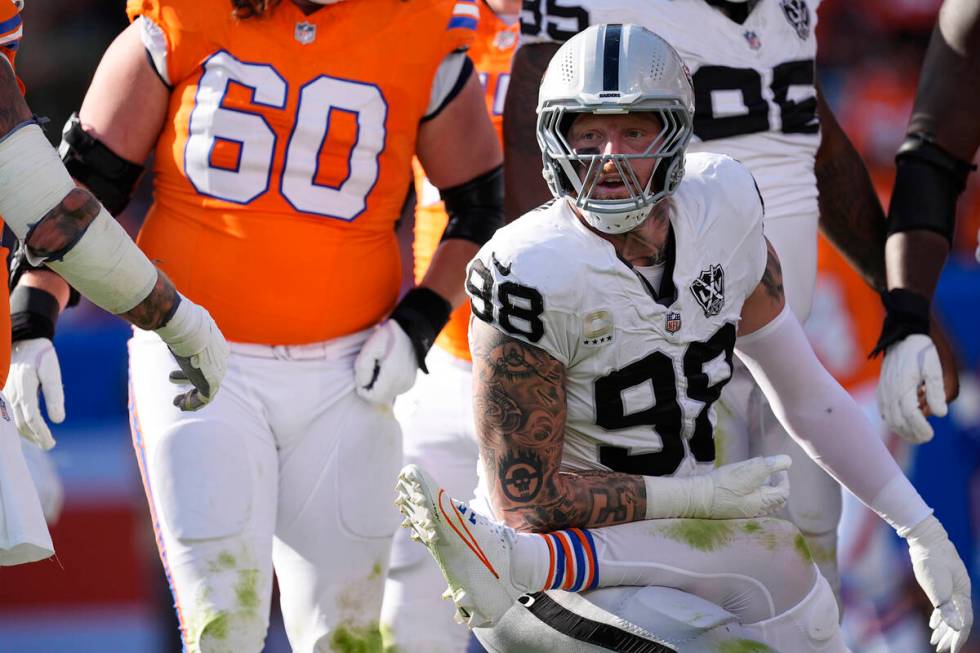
<point>641,374</point>
<point>753,82</point>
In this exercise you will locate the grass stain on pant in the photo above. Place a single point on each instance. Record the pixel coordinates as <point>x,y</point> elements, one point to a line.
<point>799,543</point>
<point>700,534</point>
<point>354,639</point>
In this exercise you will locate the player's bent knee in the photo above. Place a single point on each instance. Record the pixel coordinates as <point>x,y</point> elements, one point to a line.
<point>206,493</point>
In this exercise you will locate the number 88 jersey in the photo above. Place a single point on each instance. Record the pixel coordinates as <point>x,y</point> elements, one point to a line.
<point>286,155</point>
<point>753,82</point>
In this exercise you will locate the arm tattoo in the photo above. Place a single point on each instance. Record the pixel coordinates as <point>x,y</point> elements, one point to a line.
<point>158,307</point>
<point>851,216</point>
<point>772,277</point>
<point>61,227</point>
<point>520,407</point>
<point>13,108</point>
<point>526,188</point>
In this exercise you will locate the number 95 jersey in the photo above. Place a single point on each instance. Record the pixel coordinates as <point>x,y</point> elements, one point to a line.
<point>753,82</point>
<point>286,155</point>
<point>643,366</point>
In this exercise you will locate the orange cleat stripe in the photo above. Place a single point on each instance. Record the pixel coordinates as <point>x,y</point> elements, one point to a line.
<point>471,542</point>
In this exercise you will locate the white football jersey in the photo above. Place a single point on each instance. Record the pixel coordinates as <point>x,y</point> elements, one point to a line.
<point>641,372</point>
<point>753,82</point>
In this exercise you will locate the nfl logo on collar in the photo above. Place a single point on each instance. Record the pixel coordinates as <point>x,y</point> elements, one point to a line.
<point>305,33</point>
<point>673,323</point>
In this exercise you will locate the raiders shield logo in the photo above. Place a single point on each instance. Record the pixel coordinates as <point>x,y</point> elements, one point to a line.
<point>709,290</point>
<point>798,15</point>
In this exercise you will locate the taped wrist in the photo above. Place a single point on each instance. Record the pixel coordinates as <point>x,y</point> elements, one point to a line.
<point>475,208</point>
<point>670,497</point>
<point>33,313</point>
<point>901,506</point>
<point>421,314</point>
<point>906,313</point>
<point>928,182</point>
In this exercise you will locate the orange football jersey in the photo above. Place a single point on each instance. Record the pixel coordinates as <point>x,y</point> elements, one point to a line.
<point>286,155</point>
<point>492,54</point>
<point>11,30</point>
<point>845,321</point>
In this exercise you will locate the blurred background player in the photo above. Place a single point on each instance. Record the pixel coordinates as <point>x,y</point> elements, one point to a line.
<point>436,415</point>
<point>932,167</point>
<point>66,229</point>
<point>280,170</point>
<point>757,101</point>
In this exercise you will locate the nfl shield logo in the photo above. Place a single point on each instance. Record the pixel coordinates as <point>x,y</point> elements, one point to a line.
<point>673,323</point>
<point>3,410</point>
<point>753,40</point>
<point>504,40</point>
<point>305,33</point>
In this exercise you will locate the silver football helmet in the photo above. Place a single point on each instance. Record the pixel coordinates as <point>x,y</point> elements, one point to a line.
<point>615,69</point>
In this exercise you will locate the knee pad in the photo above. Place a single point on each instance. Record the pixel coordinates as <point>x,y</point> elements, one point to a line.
<point>202,481</point>
<point>812,625</point>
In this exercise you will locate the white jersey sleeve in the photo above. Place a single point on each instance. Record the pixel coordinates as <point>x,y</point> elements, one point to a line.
<point>723,214</point>
<point>518,284</point>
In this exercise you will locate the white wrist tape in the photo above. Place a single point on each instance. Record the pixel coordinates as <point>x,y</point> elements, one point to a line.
<point>187,332</point>
<point>32,177</point>
<point>900,505</point>
<point>669,497</point>
<point>104,265</point>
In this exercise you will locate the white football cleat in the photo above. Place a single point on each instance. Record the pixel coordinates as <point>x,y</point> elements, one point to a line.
<point>473,552</point>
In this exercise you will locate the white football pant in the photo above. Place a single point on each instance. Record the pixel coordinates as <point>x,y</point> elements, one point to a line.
<point>286,467</point>
<point>436,416</point>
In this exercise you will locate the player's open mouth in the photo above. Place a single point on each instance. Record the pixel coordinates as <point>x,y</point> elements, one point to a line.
<point>610,187</point>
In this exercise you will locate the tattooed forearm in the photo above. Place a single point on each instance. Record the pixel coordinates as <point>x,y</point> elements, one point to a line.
<point>772,277</point>
<point>526,188</point>
<point>61,227</point>
<point>519,402</point>
<point>851,216</point>
<point>581,500</point>
<point>157,308</point>
<point>13,108</point>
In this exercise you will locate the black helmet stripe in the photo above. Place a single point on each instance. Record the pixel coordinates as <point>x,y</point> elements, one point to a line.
<point>610,57</point>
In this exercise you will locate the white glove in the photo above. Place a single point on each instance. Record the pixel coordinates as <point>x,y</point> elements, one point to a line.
<point>943,578</point>
<point>751,488</point>
<point>386,366</point>
<point>33,366</point>
<point>200,350</point>
<point>910,363</point>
